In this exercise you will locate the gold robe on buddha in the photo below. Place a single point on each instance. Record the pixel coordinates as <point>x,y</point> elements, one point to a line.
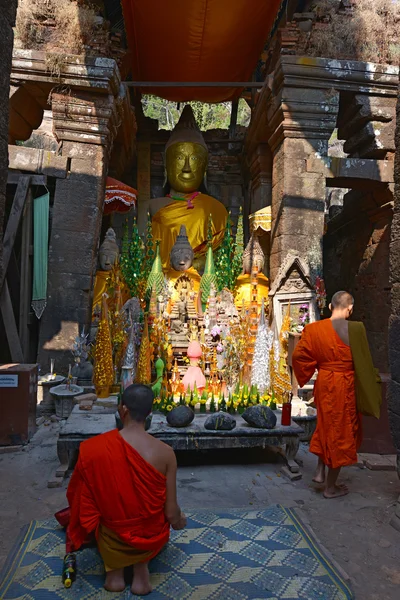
<point>168,220</point>
<point>100,288</point>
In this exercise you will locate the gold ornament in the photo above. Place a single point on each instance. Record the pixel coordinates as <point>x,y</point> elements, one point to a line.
<point>103,372</point>
<point>143,373</point>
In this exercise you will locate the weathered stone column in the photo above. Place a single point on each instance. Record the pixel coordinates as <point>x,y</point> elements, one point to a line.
<point>260,166</point>
<point>7,20</point>
<point>302,121</point>
<point>394,322</point>
<point>85,124</point>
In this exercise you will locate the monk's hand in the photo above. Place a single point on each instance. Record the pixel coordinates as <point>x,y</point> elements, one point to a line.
<point>180,523</point>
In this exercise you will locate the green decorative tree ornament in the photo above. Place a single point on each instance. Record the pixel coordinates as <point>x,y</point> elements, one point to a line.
<point>209,277</point>
<point>156,277</point>
<point>237,263</point>
<point>149,258</point>
<point>224,259</point>
<point>134,269</point>
<point>124,260</point>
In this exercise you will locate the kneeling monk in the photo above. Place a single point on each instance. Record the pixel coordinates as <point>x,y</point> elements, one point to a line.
<point>123,489</point>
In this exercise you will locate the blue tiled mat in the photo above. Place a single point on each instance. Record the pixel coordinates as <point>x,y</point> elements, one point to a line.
<point>222,555</point>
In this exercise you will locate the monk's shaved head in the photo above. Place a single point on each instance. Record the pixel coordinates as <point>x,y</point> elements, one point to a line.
<point>138,399</point>
<point>342,300</point>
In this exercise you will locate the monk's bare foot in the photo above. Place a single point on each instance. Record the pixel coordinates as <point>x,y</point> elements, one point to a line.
<point>336,492</point>
<point>141,585</point>
<point>115,581</point>
<point>319,476</point>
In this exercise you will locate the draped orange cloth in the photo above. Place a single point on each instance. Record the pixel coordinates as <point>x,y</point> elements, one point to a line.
<point>114,487</point>
<point>167,221</point>
<point>202,40</point>
<point>338,433</point>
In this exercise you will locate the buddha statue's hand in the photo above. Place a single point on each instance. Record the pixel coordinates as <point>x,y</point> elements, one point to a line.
<point>180,523</point>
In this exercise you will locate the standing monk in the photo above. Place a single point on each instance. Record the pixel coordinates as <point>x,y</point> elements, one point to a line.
<point>123,489</point>
<point>339,351</point>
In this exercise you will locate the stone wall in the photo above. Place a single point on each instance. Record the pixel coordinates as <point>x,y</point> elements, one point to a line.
<point>356,258</point>
<point>7,19</point>
<point>394,323</point>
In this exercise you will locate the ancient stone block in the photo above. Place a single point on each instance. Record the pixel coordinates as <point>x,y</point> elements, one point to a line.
<point>85,151</point>
<point>77,212</point>
<point>63,280</point>
<point>374,139</point>
<point>55,482</point>
<point>85,405</point>
<point>363,109</point>
<point>38,161</point>
<point>71,252</point>
<point>82,168</point>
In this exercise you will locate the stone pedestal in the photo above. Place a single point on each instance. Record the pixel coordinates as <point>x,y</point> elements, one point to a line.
<point>44,399</point>
<point>81,426</point>
<point>64,399</point>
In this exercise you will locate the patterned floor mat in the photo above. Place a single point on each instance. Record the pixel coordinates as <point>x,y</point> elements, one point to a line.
<point>223,555</point>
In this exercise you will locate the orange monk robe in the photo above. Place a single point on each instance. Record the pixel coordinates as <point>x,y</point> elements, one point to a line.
<point>117,495</point>
<point>338,433</point>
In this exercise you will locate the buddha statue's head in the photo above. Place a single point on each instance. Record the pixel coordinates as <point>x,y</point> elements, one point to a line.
<point>182,254</point>
<point>253,256</point>
<point>109,251</point>
<point>186,154</point>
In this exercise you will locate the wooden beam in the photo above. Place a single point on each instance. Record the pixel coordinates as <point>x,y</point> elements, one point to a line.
<point>13,223</point>
<point>233,122</point>
<point>195,84</point>
<point>13,179</point>
<point>10,326</point>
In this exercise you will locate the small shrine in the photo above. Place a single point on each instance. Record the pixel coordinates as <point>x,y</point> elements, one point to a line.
<point>185,305</point>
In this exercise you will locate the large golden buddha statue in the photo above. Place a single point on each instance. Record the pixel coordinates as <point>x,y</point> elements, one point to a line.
<point>186,160</point>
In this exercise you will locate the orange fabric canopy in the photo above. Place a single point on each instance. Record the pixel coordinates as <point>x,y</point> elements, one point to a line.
<point>197,40</point>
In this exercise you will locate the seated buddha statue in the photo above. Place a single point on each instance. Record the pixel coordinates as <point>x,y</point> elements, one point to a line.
<point>253,256</point>
<point>184,280</point>
<point>108,259</point>
<point>186,160</point>
<point>181,259</point>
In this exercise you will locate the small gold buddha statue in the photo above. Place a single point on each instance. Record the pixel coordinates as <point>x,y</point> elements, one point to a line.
<point>186,165</point>
<point>108,259</point>
<point>253,259</point>
<point>181,259</point>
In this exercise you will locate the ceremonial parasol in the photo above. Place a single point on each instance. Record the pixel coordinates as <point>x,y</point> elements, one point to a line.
<point>119,197</point>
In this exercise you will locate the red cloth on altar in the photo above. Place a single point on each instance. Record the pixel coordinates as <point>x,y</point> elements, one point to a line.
<point>113,485</point>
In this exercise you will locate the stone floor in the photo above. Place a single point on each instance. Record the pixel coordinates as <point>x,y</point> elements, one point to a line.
<point>354,529</point>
